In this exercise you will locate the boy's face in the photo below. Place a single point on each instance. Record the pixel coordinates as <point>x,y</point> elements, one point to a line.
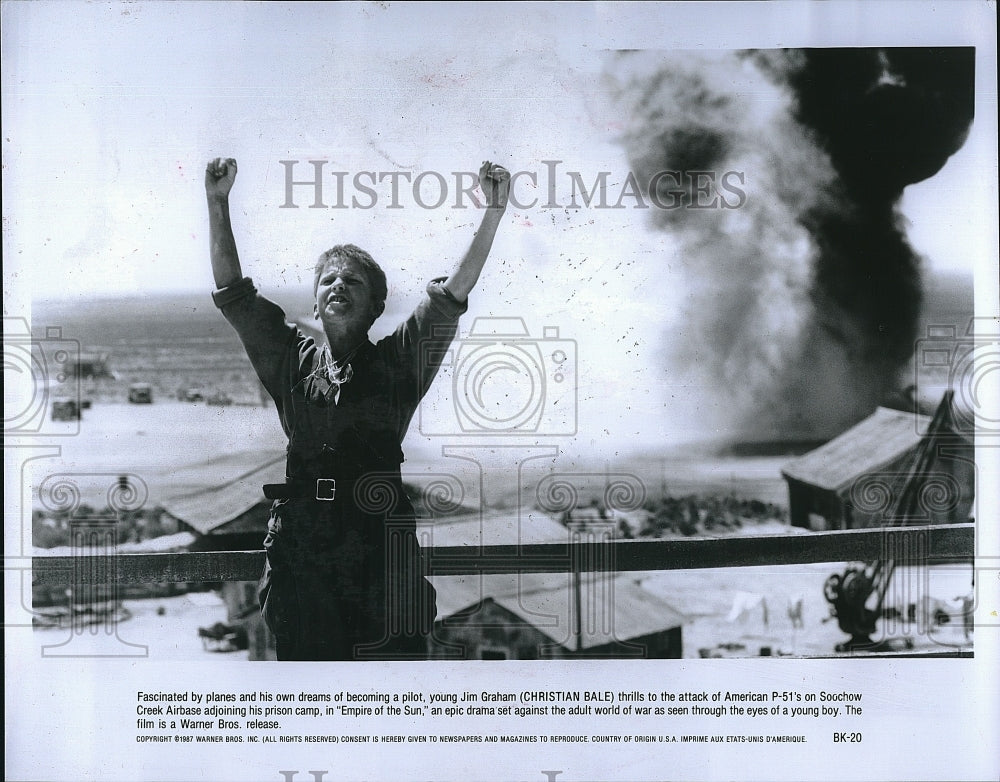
<point>344,296</point>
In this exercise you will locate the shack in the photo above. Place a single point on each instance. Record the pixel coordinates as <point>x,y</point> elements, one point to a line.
<point>537,616</point>
<point>229,513</point>
<point>528,616</point>
<point>854,480</point>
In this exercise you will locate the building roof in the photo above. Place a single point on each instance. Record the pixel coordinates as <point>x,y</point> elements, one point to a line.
<point>876,442</point>
<point>546,602</point>
<point>231,487</point>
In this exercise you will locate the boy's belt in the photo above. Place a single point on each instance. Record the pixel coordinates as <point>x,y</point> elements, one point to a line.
<point>324,489</point>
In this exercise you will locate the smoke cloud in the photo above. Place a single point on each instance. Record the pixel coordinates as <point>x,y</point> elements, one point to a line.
<point>802,303</point>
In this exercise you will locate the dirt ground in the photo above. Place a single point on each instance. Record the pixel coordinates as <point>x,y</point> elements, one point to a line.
<point>161,442</point>
<point>167,628</point>
<point>162,629</point>
<point>708,598</point>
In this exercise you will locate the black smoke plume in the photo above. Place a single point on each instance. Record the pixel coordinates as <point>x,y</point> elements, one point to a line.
<point>802,302</point>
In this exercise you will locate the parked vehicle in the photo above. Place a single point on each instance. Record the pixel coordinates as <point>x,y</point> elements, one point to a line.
<point>220,398</point>
<point>140,394</point>
<point>65,410</point>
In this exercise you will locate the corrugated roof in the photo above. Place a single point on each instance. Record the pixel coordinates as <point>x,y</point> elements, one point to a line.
<point>545,600</point>
<point>230,490</point>
<point>874,443</point>
<point>618,609</point>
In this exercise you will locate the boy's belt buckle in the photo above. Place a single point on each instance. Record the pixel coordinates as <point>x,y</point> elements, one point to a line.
<point>326,489</point>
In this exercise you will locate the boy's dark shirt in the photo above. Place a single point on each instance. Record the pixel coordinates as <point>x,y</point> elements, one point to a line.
<point>327,592</point>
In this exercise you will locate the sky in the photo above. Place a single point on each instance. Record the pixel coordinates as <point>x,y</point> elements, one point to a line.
<point>111,111</point>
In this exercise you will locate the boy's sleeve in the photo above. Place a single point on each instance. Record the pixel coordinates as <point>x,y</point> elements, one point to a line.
<point>261,327</point>
<point>422,339</point>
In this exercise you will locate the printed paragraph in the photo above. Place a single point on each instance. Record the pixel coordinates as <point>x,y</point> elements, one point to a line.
<point>603,716</point>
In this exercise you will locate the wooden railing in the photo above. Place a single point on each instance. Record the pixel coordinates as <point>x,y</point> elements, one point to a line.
<point>939,544</point>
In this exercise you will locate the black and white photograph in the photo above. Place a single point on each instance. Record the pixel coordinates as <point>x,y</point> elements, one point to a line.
<point>529,391</point>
